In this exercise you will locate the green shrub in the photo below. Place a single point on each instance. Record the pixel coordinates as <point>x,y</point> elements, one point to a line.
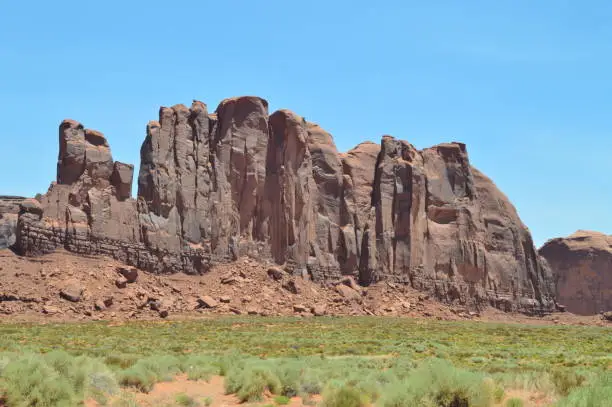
<point>498,394</point>
<point>310,383</point>
<point>282,400</point>
<point>228,362</point>
<point>302,377</point>
<point>121,360</point>
<point>90,378</point>
<point>565,380</point>
<point>289,375</point>
<point>99,384</point>
<point>530,381</point>
<point>200,367</point>
<point>397,395</point>
<point>56,378</point>
<point>29,381</point>
<point>185,400</point>
<point>250,383</point>
<point>344,396</point>
<point>370,385</point>
<point>5,359</point>
<point>208,401</point>
<point>418,348</point>
<point>125,399</point>
<point>139,378</point>
<point>597,394</point>
<point>514,402</point>
<point>146,372</point>
<point>438,383</point>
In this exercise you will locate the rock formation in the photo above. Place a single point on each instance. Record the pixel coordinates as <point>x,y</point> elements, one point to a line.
<point>9,209</point>
<point>213,187</point>
<point>583,269</point>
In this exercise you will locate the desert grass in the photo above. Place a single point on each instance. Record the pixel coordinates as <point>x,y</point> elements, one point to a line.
<point>349,361</point>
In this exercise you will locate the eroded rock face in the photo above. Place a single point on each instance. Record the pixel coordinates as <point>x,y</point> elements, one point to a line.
<point>583,268</point>
<point>88,209</point>
<point>9,210</point>
<point>213,187</point>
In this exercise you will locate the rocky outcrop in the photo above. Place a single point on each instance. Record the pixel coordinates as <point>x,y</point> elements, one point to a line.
<point>86,210</point>
<point>213,187</point>
<point>9,209</point>
<point>583,269</point>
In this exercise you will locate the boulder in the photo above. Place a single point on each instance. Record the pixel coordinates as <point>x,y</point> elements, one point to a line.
<point>292,286</point>
<point>299,308</point>
<point>130,274</point>
<point>207,302</point>
<point>71,291</point>
<point>236,311</point>
<point>51,310</point>
<point>99,305</point>
<point>160,305</point>
<point>225,299</point>
<point>154,304</point>
<point>253,311</point>
<point>319,310</point>
<point>229,280</point>
<point>276,273</point>
<point>347,292</point>
<point>121,282</point>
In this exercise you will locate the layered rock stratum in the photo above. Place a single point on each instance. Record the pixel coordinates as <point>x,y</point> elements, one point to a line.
<point>214,187</point>
<point>583,271</point>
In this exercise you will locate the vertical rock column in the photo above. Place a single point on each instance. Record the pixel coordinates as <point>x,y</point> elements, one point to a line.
<point>238,158</point>
<point>286,212</point>
<point>398,197</point>
<point>334,251</point>
<point>359,166</point>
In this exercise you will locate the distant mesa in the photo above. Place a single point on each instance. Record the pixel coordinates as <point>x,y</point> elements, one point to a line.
<point>11,198</point>
<point>214,187</point>
<point>583,271</point>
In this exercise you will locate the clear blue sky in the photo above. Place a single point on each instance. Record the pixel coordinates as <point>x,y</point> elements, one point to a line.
<point>526,84</point>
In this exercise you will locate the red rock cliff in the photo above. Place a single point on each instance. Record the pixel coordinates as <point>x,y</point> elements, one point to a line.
<point>213,187</point>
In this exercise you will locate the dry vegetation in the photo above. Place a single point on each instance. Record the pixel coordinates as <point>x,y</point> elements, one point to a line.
<point>345,361</point>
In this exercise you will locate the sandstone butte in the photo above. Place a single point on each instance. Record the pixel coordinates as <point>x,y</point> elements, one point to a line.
<point>213,187</point>
<point>583,271</point>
